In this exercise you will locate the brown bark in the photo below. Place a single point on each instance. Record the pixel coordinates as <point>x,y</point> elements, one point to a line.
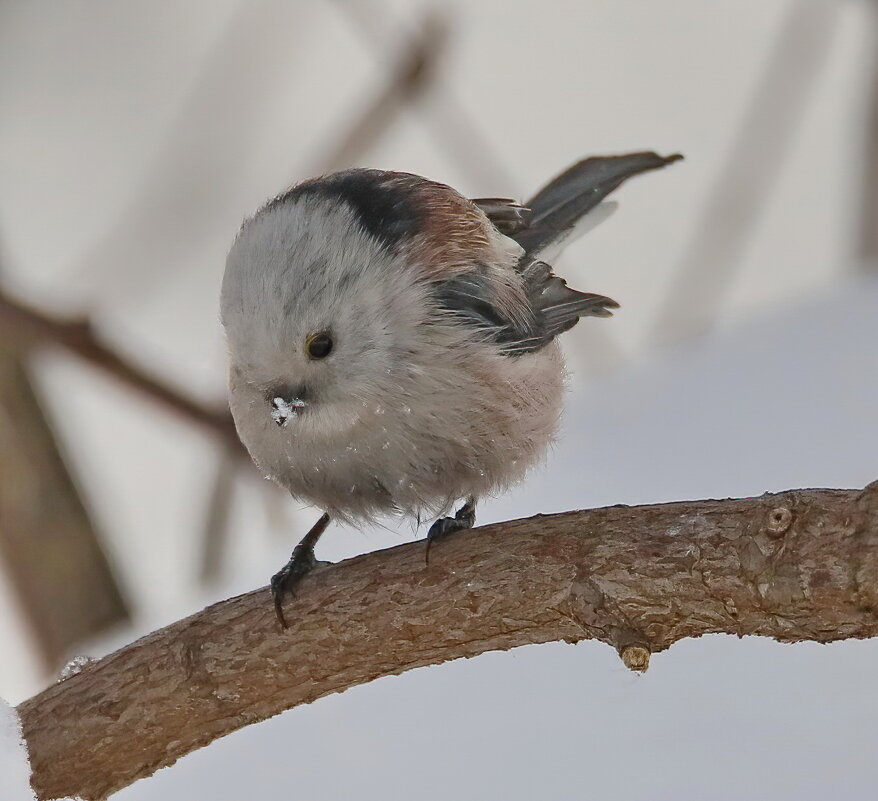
<point>798,565</point>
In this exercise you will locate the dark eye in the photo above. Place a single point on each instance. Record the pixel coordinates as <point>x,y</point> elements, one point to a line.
<point>319,346</point>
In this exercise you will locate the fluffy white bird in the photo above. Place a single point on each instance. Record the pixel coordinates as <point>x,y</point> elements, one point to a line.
<point>393,345</point>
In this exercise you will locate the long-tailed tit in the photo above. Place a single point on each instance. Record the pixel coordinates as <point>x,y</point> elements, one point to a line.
<point>393,344</point>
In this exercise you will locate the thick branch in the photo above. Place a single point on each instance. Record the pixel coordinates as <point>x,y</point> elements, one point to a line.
<point>799,565</point>
<point>23,325</point>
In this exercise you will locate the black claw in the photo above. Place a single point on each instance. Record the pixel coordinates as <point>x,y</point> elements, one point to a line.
<point>463,519</point>
<point>301,563</point>
<point>466,515</point>
<point>286,579</point>
<point>277,592</point>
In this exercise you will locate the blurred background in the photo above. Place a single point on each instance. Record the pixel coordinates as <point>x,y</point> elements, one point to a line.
<point>134,137</point>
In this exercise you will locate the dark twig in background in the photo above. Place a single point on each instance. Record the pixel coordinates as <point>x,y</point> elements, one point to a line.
<point>406,80</point>
<point>217,513</point>
<point>252,59</point>
<point>51,550</point>
<point>868,246</point>
<point>446,120</point>
<point>26,326</point>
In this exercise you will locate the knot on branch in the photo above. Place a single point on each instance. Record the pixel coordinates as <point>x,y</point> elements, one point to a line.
<point>633,648</point>
<point>779,521</point>
<point>636,658</point>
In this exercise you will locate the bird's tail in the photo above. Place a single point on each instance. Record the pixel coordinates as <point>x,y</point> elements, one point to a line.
<point>571,203</point>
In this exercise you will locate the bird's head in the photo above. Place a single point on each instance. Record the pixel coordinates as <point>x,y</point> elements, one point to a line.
<point>329,288</point>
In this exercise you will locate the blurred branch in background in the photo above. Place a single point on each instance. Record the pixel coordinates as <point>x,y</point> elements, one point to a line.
<point>794,566</point>
<point>447,121</point>
<point>756,156</point>
<point>406,81</point>
<point>869,219</point>
<point>25,326</point>
<point>50,550</point>
<point>172,209</point>
<point>215,538</point>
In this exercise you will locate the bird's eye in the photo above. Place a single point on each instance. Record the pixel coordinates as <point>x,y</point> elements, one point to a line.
<point>319,346</point>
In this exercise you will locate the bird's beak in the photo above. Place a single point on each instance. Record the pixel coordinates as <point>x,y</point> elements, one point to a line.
<point>283,410</point>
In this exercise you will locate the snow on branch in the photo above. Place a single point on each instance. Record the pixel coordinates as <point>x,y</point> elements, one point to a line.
<point>798,565</point>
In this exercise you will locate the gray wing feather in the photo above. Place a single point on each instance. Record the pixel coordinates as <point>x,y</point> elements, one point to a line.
<point>555,307</point>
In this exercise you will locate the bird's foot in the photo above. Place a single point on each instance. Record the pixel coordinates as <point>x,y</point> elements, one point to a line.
<point>285,580</point>
<point>301,563</point>
<point>464,518</point>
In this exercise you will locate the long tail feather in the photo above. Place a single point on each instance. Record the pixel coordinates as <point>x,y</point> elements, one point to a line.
<point>564,201</point>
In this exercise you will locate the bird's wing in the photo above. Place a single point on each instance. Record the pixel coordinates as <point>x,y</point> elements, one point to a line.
<point>469,298</point>
<point>558,207</point>
<point>570,204</point>
<point>557,307</point>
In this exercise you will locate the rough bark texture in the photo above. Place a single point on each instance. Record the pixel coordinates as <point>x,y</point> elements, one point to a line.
<point>799,565</point>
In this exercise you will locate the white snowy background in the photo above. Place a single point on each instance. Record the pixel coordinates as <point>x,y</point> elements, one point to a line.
<point>135,136</point>
<point>14,767</point>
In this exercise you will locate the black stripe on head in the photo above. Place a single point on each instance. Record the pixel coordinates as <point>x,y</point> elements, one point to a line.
<point>384,209</point>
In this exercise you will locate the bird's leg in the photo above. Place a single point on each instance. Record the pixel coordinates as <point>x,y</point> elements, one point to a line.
<point>302,560</point>
<point>465,517</point>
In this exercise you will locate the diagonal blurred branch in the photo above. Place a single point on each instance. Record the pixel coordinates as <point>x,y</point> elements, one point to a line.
<point>25,326</point>
<point>198,164</point>
<point>756,156</point>
<point>446,120</point>
<point>50,549</point>
<point>407,80</point>
<point>868,245</point>
<point>216,517</point>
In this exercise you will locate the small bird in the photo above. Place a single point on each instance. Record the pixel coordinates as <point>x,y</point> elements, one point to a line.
<point>392,344</point>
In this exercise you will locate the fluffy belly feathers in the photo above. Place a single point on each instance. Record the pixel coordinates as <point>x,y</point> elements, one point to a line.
<point>416,456</point>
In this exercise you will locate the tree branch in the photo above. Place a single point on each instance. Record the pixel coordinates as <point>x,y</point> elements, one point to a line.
<point>798,565</point>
